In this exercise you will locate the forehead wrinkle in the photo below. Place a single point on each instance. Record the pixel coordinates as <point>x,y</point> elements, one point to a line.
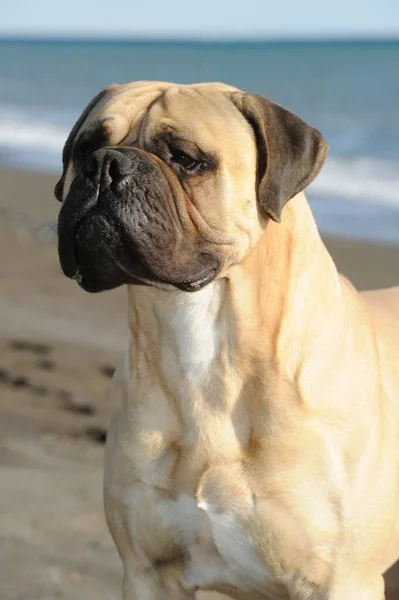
<point>159,100</point>
<point>125,106</point>
<point>202,114</point>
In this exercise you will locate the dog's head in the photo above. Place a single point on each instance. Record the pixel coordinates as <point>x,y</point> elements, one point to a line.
<point>169,185</point>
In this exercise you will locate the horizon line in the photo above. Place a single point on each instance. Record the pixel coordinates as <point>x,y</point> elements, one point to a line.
<point>203,40</point>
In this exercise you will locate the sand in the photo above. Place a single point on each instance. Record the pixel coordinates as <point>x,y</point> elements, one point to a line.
<point>58,346</point>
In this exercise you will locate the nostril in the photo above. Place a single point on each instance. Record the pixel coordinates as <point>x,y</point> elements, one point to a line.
<point>118,168</point>
<point>114,170</point>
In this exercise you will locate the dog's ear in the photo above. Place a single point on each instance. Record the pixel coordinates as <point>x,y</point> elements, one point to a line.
<point>290,152</point>
<point>68,147</point>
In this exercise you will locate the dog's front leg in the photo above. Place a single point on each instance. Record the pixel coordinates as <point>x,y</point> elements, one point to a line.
<point>155,584</point>
<point>146,577</point>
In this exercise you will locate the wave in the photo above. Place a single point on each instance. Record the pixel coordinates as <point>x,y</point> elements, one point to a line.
<point>364,179</point>
<point>30,141</point>
<point>32,136</point>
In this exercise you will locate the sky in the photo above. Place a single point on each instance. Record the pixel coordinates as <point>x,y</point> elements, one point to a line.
<point>200,18</point>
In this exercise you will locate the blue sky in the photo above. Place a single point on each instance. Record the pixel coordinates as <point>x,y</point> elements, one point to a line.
<point>200,18</point>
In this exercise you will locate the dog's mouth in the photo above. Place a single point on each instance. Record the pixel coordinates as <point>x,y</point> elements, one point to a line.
<point>98,253</point>
<point>191,286</point>
<point>194,286</point>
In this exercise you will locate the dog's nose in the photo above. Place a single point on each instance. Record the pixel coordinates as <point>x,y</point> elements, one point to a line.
<point>108,164</point>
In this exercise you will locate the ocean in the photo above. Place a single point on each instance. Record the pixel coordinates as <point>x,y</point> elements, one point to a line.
<point>348,90</point>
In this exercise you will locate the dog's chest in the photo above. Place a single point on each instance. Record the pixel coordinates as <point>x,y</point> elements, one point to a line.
<point>172,502</point>
<point>175,456</point>
<point>218,552</point>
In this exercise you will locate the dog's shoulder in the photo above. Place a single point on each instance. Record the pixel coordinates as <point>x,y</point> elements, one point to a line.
<point>385,302</point>
<point>383,307</point>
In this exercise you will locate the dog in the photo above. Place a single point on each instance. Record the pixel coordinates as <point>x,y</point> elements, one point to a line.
<point>253,444</point>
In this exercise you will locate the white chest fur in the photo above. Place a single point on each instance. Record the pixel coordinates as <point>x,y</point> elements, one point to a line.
<point>187,339</point>
<point>190,325</point>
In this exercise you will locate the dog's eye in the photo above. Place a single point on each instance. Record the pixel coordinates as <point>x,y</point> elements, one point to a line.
<point>184,160</point>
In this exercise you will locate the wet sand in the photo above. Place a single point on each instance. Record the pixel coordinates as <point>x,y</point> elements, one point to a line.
<point>58,346</point>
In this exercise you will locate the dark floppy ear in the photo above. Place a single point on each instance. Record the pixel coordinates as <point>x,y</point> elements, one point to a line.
<point>67,151</point>
<point>290,152</point>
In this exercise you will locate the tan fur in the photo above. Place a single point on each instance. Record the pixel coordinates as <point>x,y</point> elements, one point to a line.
<point>254,442</point>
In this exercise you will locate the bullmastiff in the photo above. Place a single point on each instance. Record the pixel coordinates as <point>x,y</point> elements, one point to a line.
<point>253,446</point>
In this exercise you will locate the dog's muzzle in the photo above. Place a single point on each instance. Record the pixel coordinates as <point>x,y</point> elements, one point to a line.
<point>119,224</point>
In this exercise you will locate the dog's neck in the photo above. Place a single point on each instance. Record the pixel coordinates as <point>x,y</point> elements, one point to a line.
<point>237,325</point>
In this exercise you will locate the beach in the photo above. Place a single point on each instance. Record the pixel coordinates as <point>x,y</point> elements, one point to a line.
<point>59,346</point>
